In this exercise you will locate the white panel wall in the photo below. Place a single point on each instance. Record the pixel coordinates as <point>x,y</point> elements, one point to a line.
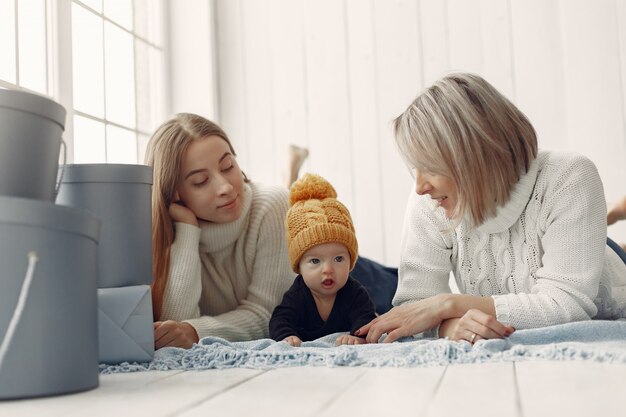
<point>287,55</point>
<point>367,209</point>
<point>538,68</point>
<point>332,74</point>
<point>397,43</point>
<point>326,89</point>
<point>191,51</point>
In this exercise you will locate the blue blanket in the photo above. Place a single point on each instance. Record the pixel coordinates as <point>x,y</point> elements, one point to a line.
<point>600,341</point>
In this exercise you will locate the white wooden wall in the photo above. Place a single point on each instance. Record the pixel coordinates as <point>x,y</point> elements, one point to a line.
<point>332,74</point>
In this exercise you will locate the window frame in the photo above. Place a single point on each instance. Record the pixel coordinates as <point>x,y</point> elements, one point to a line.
<point>59,75</point>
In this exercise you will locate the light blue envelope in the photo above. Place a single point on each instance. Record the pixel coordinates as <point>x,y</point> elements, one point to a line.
<point>125,329</point>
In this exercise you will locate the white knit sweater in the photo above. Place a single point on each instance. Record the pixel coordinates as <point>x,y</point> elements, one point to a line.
<point>543,258</point>
<point>226,279</point>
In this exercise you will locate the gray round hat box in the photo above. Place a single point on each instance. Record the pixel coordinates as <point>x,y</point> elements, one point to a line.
<point>120,196</point>
<point>30,140</point>
<point>54,348</point>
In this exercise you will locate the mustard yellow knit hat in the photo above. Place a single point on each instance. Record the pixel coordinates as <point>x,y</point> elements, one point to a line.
<point>316,217</point>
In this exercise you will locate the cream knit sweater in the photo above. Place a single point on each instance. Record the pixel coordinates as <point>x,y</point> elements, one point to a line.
<point>543,258</point>
<point>226,279</point>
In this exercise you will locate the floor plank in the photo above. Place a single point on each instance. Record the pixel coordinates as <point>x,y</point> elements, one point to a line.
<point>300,391</point>
<point>530,388</point>
<point>135,394</point>
<point>64,404</point>
<point>484,390</point>
<point>387,391</point>
<point>168,396</point>
<point>571,388</point>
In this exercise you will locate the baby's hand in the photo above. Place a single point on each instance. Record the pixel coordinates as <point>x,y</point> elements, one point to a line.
<point>348,339</point>
<point>293,341</point>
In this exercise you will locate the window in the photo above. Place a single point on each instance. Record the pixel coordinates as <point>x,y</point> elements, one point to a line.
<point>103,60</point>
<point>117,68</point>
<point>24,45</point>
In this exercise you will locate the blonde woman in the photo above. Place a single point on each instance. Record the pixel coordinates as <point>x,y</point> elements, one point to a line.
<point>220,261</point>
<point>523,231</point>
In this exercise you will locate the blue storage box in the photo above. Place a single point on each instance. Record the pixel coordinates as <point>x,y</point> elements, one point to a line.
<point>125,324</point>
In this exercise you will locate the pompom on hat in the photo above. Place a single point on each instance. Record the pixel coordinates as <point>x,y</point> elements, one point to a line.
<point>316,217</point>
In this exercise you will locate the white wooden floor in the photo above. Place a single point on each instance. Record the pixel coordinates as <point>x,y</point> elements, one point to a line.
<point>496,389</point>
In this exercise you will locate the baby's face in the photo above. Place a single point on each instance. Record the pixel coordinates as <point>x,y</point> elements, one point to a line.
<point>325,268</point>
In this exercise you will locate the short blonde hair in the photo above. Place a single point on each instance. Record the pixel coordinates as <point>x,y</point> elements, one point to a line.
<point>463,128</point>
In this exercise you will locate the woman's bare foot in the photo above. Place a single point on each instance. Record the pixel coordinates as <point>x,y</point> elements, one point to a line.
<point>617,211</point>
<point>297,156</point>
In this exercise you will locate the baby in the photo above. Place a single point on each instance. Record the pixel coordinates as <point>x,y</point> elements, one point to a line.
<point>324,299</point>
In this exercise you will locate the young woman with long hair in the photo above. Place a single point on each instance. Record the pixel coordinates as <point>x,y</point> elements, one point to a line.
<point>220,261</point>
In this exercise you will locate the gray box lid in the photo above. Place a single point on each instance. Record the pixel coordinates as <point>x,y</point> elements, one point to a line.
<point>117,173</point>
<point>35,104</point>
<point>48,215</point>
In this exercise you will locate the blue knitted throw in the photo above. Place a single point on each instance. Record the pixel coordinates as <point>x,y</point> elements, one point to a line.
<point>594,340</point>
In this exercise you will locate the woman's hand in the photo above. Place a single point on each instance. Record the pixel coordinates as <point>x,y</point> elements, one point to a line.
<point>182,214</point>
<point>174,334</point>
<point>293,341</point>
<point>406,320</point>
<point>474,326</point>
<point>348,339</point>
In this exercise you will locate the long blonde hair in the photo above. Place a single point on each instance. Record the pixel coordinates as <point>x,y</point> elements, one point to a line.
<point>463,128</point>
<point>165,153</point>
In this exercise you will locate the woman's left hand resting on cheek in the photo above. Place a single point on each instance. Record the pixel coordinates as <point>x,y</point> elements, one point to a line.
<point>348,339</point>
<point>174,334</point>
